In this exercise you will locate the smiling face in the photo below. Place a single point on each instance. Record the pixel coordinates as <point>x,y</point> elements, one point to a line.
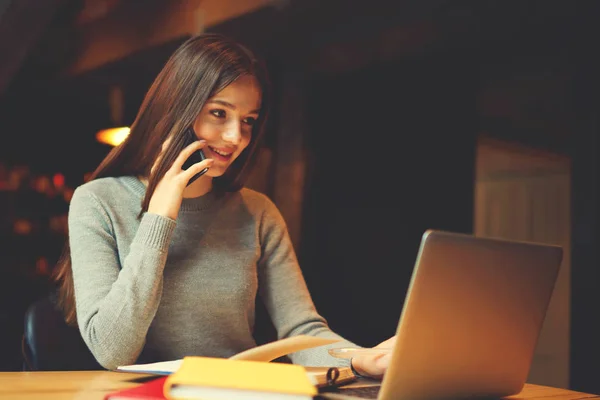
<point>226,121</point>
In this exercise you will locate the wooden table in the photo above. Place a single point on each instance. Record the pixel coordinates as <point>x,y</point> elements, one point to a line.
<point>543,392</point>
<point>72,385</point>
<point>94,385</point>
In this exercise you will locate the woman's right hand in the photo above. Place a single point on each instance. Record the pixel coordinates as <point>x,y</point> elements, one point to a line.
<point>168,194</point>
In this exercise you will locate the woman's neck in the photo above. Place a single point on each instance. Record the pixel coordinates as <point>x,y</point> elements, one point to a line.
<point>199,187</point>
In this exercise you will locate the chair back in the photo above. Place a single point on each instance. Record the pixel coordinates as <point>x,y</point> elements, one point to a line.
<point>49,344</point>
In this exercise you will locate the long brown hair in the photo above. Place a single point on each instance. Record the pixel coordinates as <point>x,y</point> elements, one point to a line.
<point>197,70</point>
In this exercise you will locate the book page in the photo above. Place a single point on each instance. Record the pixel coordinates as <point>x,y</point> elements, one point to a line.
<point>279,348</point>
<point>159,368</point>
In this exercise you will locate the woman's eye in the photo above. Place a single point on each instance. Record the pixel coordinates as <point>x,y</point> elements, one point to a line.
<point>249,121</point>
<point>218,113</point>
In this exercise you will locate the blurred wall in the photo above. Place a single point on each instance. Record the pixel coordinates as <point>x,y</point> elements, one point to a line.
<point>523,194</point>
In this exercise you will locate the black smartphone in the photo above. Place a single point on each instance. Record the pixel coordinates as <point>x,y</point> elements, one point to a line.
<point>196,157</point>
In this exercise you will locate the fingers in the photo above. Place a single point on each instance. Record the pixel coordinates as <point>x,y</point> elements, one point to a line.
<point>382,363</point>
<point>197,168</point>
<point>372,366</point>
<point>186,153</point>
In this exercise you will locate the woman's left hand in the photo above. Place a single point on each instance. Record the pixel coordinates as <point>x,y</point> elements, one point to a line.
<point>374,366</point>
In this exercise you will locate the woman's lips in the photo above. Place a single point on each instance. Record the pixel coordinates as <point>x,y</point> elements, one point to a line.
<point>219,154</point>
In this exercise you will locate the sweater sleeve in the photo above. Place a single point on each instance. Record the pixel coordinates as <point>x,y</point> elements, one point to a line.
<point>115,303</point>
<point>285,294</point>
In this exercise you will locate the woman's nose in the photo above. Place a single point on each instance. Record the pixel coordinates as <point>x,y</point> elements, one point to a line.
<point>233,134</point>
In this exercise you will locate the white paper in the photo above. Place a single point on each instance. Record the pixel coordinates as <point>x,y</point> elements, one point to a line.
<point>159,368</point>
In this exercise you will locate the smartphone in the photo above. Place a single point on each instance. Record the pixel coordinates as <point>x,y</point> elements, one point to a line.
<point>196,157</point>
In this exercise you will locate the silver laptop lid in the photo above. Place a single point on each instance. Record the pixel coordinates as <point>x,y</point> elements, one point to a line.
<point>472,317</point>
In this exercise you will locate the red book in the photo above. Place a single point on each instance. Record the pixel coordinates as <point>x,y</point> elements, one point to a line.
<point>152,390</point>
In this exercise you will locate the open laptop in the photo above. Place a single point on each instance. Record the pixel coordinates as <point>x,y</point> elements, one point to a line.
<point>471,319</point>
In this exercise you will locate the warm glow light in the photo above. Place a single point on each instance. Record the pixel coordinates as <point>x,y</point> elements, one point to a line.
<point>113,136</point>
<point>58,180</point>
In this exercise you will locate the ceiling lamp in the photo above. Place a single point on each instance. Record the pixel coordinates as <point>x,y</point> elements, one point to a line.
<point>112,136</point>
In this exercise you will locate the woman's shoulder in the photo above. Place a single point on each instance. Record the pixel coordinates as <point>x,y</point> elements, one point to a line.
<point>254,197</point>
<point>258,202</point>
<point>110,188</point>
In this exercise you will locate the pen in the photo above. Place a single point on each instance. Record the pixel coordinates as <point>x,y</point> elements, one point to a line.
<point>349,352</point>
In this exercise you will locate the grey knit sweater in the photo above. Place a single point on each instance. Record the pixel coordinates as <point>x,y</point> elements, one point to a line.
<point>155,289</point>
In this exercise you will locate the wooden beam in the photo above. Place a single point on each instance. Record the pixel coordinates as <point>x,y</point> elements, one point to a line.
<point>134,28</point>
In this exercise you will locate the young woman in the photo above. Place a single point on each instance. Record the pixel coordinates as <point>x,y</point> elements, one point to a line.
<point>156,269</point>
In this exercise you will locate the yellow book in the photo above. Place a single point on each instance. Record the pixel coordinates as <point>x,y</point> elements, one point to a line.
<point>209,378</point>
